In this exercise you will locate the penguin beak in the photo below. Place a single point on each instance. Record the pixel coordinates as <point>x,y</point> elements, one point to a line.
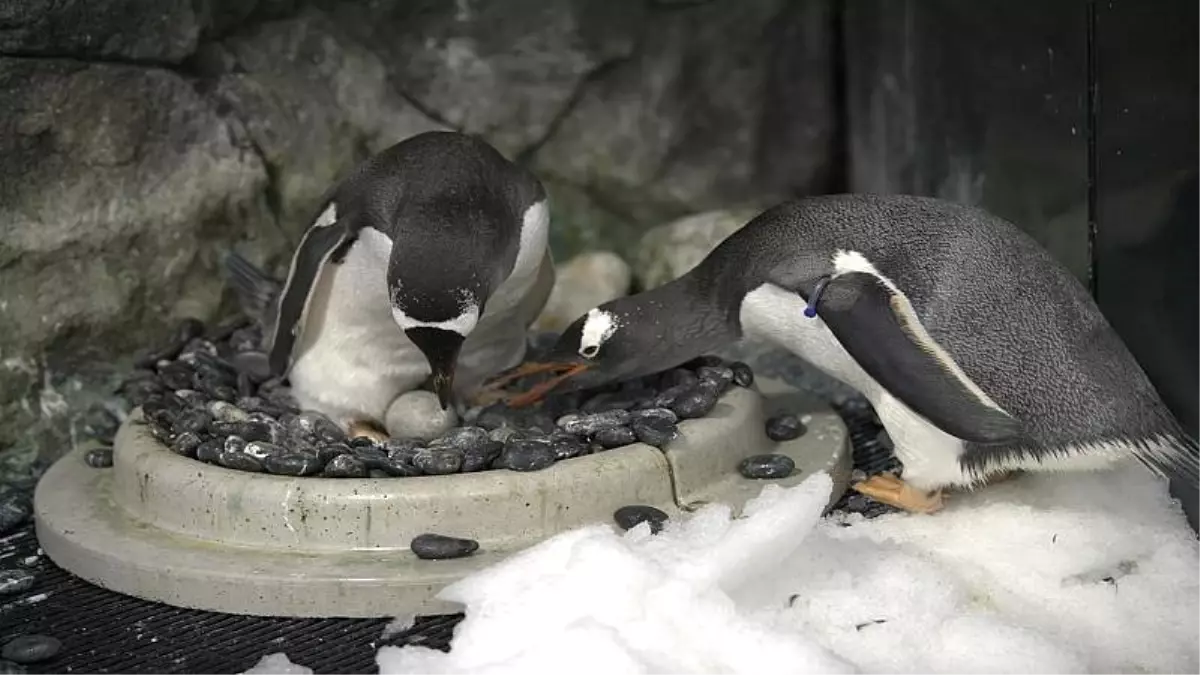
<point>441,348</point>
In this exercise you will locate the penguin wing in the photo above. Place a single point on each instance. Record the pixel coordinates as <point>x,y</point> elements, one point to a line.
<point>535,300</point>
<point>875,322</point>
<point>327,240</point>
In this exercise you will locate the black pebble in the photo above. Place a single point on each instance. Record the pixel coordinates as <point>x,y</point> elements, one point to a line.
<point>210,451</point>
<point>31,648</point>
<point>362,442</point>
<point>100,423</point>
<point>588,424</point>
<point>402,449</point>
<point>319,426</point>
<point>346,466</point>
<point>240,461</point>
<point>706,360</point>
<point>654,413</point>
<point>439,460</point>
<point>15,509</point>
<point>441,547</point>
<point>249,430</point>
<point>493,417</point>
<point>767,466</point>
<point>325,453</point>
<point>186,444</point>
<point>566,445</point>
<point>615,437</point>
<point>373,457</point>
<point>678,377</point>
<point>99,458</point>
<point>261,450</point>
<point>253,404</point>
<point>192,397</point>
<point>629,517</point>
<point>9,668</point>
<point>720,376</point>
<point>461,438</point>
<point>15,581</point>
<point>655,431</point>
<point>743,375</point>
<point>399,467</point>
<point>784,427</point>
<point>194,421</point>
<point>695,403</point>
<point>293,464</point>
<point>480,457</point>
<point>526,455</point>
<point>176,376</point>
<point>235,444</point>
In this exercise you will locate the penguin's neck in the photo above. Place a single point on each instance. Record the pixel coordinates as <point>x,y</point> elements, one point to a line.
<point>701,321</point>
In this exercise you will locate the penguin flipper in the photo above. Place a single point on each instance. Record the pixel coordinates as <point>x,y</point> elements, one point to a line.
<point>877,325</point>
<point>327,240</point>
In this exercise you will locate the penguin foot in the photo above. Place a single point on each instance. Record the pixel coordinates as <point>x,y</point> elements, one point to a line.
<point>523,370</point>
<point>369,429</point>
<point>890,490</point>
<point>535,394</point>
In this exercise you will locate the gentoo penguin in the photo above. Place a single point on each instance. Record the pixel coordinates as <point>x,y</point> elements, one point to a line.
<point>430,258</point>
<point>980,353</point>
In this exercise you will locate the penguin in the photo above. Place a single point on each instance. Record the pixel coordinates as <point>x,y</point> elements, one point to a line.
<point>427,262</point>
<point>980,353</point>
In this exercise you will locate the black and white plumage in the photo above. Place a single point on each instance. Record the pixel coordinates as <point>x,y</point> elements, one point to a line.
<point>430,258</point>
<point>980,352</point>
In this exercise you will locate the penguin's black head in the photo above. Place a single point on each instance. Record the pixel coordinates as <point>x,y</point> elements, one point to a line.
<point>620,340</point>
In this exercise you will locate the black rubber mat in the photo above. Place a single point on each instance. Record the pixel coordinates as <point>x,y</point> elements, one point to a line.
<point>106,632</point>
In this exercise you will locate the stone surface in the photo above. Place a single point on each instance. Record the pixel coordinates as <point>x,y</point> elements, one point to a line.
<point>146,30</point>
<point>109,173</point>
<point>581,283</point>
<point>668,251</point>
<point>418,415</point>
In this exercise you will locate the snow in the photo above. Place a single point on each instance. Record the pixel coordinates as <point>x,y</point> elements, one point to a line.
<point>278,664</point>
<point>1053,573</point>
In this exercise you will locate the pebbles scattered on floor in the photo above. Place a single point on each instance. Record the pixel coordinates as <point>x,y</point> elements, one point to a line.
<point>629,517</point>
<point>441,547</point>
<point>15,581</point>
<point>30,648</point>
<point>210,401</point>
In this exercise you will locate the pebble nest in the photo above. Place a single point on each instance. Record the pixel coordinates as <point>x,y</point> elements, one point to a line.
<point>207,397</point>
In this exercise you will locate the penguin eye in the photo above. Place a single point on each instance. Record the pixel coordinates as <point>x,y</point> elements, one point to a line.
<point>589,351</point>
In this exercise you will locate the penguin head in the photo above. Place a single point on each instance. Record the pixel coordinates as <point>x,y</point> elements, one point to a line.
<point>616,341</point>
<point>437,320</point>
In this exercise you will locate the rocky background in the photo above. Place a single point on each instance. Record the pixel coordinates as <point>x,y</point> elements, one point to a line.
<point>139,139</point>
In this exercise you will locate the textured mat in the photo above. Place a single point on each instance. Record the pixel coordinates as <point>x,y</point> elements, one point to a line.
<point>105,632</point>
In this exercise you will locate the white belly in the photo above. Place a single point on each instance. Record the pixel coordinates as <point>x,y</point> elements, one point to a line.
<point>352,359</point>
<point>930,456</point>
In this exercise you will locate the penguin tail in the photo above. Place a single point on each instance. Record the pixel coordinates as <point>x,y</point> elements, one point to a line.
<point>1176,455</point>
<point>256,292</point>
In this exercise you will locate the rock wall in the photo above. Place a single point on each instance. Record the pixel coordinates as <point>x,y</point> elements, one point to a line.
<point>141,138</point>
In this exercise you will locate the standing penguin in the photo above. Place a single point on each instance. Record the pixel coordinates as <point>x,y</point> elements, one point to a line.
<point>430,258</point>
<point>980,353</point>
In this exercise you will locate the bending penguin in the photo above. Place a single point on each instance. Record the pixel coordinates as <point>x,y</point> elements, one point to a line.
<point>980,353</point>
<point>430,258</point>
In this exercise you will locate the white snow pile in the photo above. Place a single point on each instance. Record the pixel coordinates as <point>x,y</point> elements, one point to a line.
<point>278,664</point>
<point>1056,573</point>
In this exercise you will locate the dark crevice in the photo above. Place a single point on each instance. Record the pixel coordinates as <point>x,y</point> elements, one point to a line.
<point>426,110</point>
<point>93,59</point>
<point>675,5</point>
<point>526,156</point>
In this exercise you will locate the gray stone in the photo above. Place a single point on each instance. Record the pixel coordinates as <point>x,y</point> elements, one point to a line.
<point>681,125</point>
<point>315,102</point>
<point>147,30</point>
<point>107,174</point>
<point>418,415</point>
<point>14,581</point>
<point>581,283</point>
<point>525,58</point>
<point>31,648</point>
<point>668,251</point>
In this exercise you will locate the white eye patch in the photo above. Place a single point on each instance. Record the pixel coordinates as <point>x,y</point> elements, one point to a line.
<point>462,324</point>
<point>597,329</point>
